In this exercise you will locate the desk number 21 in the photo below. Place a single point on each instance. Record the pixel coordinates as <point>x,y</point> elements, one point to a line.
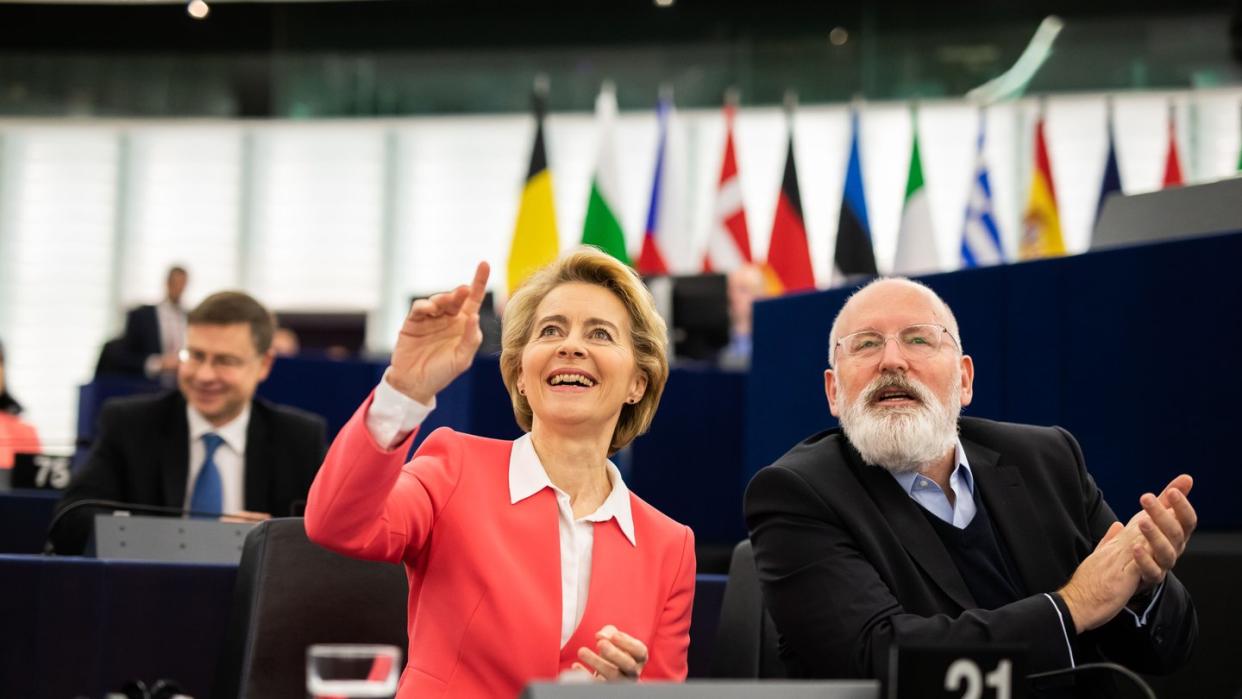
<point>967,672</point>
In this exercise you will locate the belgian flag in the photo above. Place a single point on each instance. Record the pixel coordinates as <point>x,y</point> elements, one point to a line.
<point>535,240</point>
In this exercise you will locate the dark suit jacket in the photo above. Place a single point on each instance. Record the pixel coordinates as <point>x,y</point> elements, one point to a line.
<point>849,565</point>
<point>127,354</point>
<point>141,453</point>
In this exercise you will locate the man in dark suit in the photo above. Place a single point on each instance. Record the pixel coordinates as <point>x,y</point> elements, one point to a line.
<point>211,446</point>
<point>152,337</point>
<point>909,525</point>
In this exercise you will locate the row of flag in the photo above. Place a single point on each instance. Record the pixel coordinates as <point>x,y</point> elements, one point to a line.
<point>788,266</point>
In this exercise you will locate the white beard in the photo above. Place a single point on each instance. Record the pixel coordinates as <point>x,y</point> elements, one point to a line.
<point>902,439</point>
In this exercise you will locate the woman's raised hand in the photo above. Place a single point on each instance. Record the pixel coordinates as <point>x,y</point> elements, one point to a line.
<point>438,340</point>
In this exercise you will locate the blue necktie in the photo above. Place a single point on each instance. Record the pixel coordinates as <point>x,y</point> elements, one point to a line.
<point>208,489</point>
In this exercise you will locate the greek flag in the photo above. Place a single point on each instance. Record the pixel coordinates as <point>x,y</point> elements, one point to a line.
<point>981,244</point>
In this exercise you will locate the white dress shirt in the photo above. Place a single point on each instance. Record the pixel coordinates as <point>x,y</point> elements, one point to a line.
<point>230,457</point>
<point>171,321</point>
<point>393,415</point>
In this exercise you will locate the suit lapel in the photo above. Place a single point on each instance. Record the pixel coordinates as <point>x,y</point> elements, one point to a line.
<point>259,461</point>
<point>534,522</point>
<point>912,528</point>
<point>1009,505</point>
<point>174,451</point>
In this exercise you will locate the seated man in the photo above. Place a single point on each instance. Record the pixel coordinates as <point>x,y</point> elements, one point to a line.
<point>210,446</point>
<point>895,530</point>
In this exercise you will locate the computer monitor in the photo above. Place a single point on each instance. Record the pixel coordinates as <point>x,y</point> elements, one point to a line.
<point>696,308</point>
<point>489,323</point>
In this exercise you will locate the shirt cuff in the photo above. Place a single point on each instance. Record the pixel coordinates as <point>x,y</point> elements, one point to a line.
<point>1067,623</point>
<point>1141,621</point>
<point>394,415</point>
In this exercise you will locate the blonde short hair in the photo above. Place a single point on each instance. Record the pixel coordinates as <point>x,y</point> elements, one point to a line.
<point>648,333</point>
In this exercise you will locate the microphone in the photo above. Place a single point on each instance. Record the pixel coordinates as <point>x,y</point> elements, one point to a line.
<point>49,547</point>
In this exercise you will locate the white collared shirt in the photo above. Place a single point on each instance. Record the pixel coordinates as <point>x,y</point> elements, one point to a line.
<point>230,457</point>
<point>171,322</point>
<point>392,416</point>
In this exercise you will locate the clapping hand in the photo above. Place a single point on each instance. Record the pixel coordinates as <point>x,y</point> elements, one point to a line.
<point>1133,557</point>
<point>619,657</point>
<point>1161,530</point>
<point>438,340</point>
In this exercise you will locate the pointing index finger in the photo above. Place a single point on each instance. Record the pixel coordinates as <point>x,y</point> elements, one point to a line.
<point>478,288</point>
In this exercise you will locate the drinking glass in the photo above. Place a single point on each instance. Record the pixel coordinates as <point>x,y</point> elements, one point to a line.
<point>352,671</point>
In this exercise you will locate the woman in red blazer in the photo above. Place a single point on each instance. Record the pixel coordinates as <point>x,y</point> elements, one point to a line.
<point>527,560</point>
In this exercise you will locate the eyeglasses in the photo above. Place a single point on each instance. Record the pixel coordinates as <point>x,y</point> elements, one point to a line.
<point>219,362</point>
<point>915,342</point>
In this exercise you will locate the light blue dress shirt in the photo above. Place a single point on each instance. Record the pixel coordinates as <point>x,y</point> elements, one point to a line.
<point>926,493</point>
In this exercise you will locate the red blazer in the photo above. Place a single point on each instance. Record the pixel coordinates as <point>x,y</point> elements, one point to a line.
<point>485,577</point>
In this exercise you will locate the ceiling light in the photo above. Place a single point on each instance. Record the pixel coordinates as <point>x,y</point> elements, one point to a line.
<point>198,9</point>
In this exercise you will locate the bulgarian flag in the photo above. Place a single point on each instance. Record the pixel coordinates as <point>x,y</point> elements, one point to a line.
<point>916,239</point>
<point>535,242</point>
<point>602,227</point>
<point>1041,224</point>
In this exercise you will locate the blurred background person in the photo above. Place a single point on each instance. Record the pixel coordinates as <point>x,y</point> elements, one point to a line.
<point>285,343</point>
<point>746,285</point>
<point>16,436</point>
<point>153,336</point>
<point>536,539</point>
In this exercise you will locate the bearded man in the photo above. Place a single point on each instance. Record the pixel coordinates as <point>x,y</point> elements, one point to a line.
<point>910,525</point>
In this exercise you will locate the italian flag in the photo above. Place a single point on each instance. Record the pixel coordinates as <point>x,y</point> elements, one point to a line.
<point>916,240</point>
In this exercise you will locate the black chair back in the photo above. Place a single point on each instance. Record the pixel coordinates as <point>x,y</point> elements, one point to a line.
<point>290,593</point>
<point>746,645</point>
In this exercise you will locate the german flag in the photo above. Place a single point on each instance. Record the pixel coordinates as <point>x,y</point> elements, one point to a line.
<point>789,257</point>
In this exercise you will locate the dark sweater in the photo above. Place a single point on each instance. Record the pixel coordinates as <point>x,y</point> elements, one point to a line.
<point>980,557</point>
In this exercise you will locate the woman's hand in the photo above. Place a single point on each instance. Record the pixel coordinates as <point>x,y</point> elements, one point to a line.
<point>438,340</point>
<point>620,657</point>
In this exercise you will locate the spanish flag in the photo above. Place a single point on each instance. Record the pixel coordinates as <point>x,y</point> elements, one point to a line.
<point>535,241</point>
<point>1041,225</point>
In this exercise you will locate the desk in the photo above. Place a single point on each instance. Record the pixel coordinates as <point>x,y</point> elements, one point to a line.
<point>79,626</point>
<point>24,516</point>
